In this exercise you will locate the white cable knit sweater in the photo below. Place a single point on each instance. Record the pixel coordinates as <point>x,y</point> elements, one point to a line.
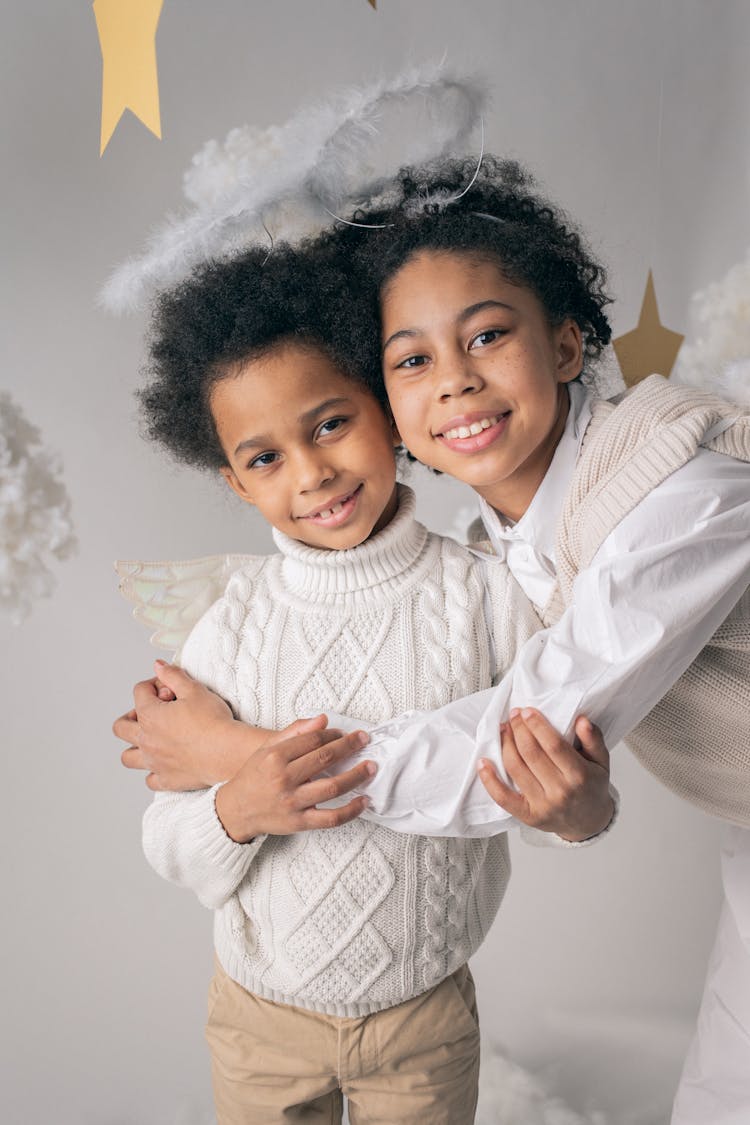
<point>358,918</point>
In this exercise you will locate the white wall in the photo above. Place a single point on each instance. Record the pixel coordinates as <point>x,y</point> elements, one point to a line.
<point>104,968</point>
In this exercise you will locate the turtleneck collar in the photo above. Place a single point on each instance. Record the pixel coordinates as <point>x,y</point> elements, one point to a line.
<point>318,575</point>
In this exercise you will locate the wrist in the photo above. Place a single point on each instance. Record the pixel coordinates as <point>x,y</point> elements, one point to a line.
<point>233,742</point>
<point>593,828</point>
<point>231,817</point>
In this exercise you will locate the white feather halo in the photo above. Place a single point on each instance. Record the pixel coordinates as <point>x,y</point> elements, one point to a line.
<point>285,181</point>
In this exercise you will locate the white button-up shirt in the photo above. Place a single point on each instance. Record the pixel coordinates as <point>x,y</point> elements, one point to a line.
<point>528,546</point>
<point>656,591</point>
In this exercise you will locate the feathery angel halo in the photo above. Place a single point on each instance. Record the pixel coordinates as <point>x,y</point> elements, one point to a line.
<point>285,181</point>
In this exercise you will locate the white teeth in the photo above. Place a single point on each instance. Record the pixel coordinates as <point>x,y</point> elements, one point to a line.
<point>473,429</point>
<point>328,512</point>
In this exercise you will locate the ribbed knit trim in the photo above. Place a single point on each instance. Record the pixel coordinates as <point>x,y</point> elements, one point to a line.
<point>314,575</point>
<point>628,450</point>
<point>236,968</point>
<point>220,849</point>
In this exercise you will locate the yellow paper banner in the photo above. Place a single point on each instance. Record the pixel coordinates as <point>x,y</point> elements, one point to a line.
<point>127,37</point>
<point>650,348</point>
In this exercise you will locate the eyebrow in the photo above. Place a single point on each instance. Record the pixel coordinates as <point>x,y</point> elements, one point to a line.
<point>259,441</point>
<point>463,316</point>
<point>328,404</point>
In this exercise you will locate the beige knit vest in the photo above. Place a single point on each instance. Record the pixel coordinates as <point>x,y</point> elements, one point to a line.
<point>697,739</point>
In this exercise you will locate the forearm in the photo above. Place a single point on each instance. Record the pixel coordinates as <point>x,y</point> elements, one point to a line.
<point>196,735</point>
<point>644,608</point>
<point>234,743</point>
<point>426,783</point>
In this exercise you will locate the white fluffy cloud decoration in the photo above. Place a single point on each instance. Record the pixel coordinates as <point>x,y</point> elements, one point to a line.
<point>716,357</point>
<point>35,524</point>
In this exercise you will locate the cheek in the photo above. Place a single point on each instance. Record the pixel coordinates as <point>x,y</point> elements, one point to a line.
<point>535,393</point>
<point>406,413</point>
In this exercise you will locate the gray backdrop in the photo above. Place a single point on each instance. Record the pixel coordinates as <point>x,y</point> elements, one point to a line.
<point>635,115</point>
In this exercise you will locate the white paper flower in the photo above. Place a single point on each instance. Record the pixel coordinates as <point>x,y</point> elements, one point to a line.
<point>35,524</point>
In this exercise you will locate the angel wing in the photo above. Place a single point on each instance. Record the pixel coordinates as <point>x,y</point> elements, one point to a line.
<point>170,597</point>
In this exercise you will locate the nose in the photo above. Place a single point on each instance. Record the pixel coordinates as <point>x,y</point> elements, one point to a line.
<point>313,470</point>
<point>457,376</point>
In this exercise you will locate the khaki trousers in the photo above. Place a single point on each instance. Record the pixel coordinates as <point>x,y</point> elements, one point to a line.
<point>414,1064</point>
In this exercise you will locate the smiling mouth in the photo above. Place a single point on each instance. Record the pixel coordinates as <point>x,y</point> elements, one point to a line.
<point>475,427</point>
<point>475,436</point>
<point>337,512</point>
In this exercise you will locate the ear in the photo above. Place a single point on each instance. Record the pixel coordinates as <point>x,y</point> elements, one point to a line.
<point>569,345</point>
<point>235,484</point>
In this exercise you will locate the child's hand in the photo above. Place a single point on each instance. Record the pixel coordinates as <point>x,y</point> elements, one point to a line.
<point>275,793</point>
<point>183,734</point>
<point>560,789</point>
<point>163,692</point>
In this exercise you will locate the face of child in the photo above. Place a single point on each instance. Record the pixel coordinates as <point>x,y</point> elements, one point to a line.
<point>475,374</point>
<point>310,448</point>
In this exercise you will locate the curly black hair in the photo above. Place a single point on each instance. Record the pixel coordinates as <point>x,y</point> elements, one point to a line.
<point>326,293</point>
<point>233,310</point>
<point>500,217</point>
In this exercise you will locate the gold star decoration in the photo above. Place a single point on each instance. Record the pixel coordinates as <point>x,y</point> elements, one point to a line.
<point>127,37</point>
<point>650,348</point>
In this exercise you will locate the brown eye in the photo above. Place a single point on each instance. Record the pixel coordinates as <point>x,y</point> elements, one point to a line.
<point>330,426</point>
<point>482,339</point>
<point>262,460</point>
<point>413,361</point>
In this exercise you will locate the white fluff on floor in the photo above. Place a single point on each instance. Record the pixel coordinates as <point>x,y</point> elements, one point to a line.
<point>511,1095</point>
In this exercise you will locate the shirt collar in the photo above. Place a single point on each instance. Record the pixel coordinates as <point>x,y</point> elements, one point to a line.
<point>538,524</point>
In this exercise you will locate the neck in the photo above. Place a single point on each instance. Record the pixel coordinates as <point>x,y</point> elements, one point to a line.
<point>383,560</point>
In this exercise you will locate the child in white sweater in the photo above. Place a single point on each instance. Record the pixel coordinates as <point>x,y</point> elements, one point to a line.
<point>341,955</point>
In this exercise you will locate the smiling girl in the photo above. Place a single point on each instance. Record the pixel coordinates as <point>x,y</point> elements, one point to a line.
<point>486,401</point>
<point>626,523</point>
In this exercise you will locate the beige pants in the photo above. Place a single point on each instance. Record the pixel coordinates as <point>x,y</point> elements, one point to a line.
<point>415,1064</point>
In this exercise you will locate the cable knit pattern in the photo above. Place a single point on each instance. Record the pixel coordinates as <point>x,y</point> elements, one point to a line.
<point>359,918</point>
<point>697,739</point>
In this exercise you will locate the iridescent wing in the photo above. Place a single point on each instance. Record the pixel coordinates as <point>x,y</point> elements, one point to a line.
<point>170,597</point>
